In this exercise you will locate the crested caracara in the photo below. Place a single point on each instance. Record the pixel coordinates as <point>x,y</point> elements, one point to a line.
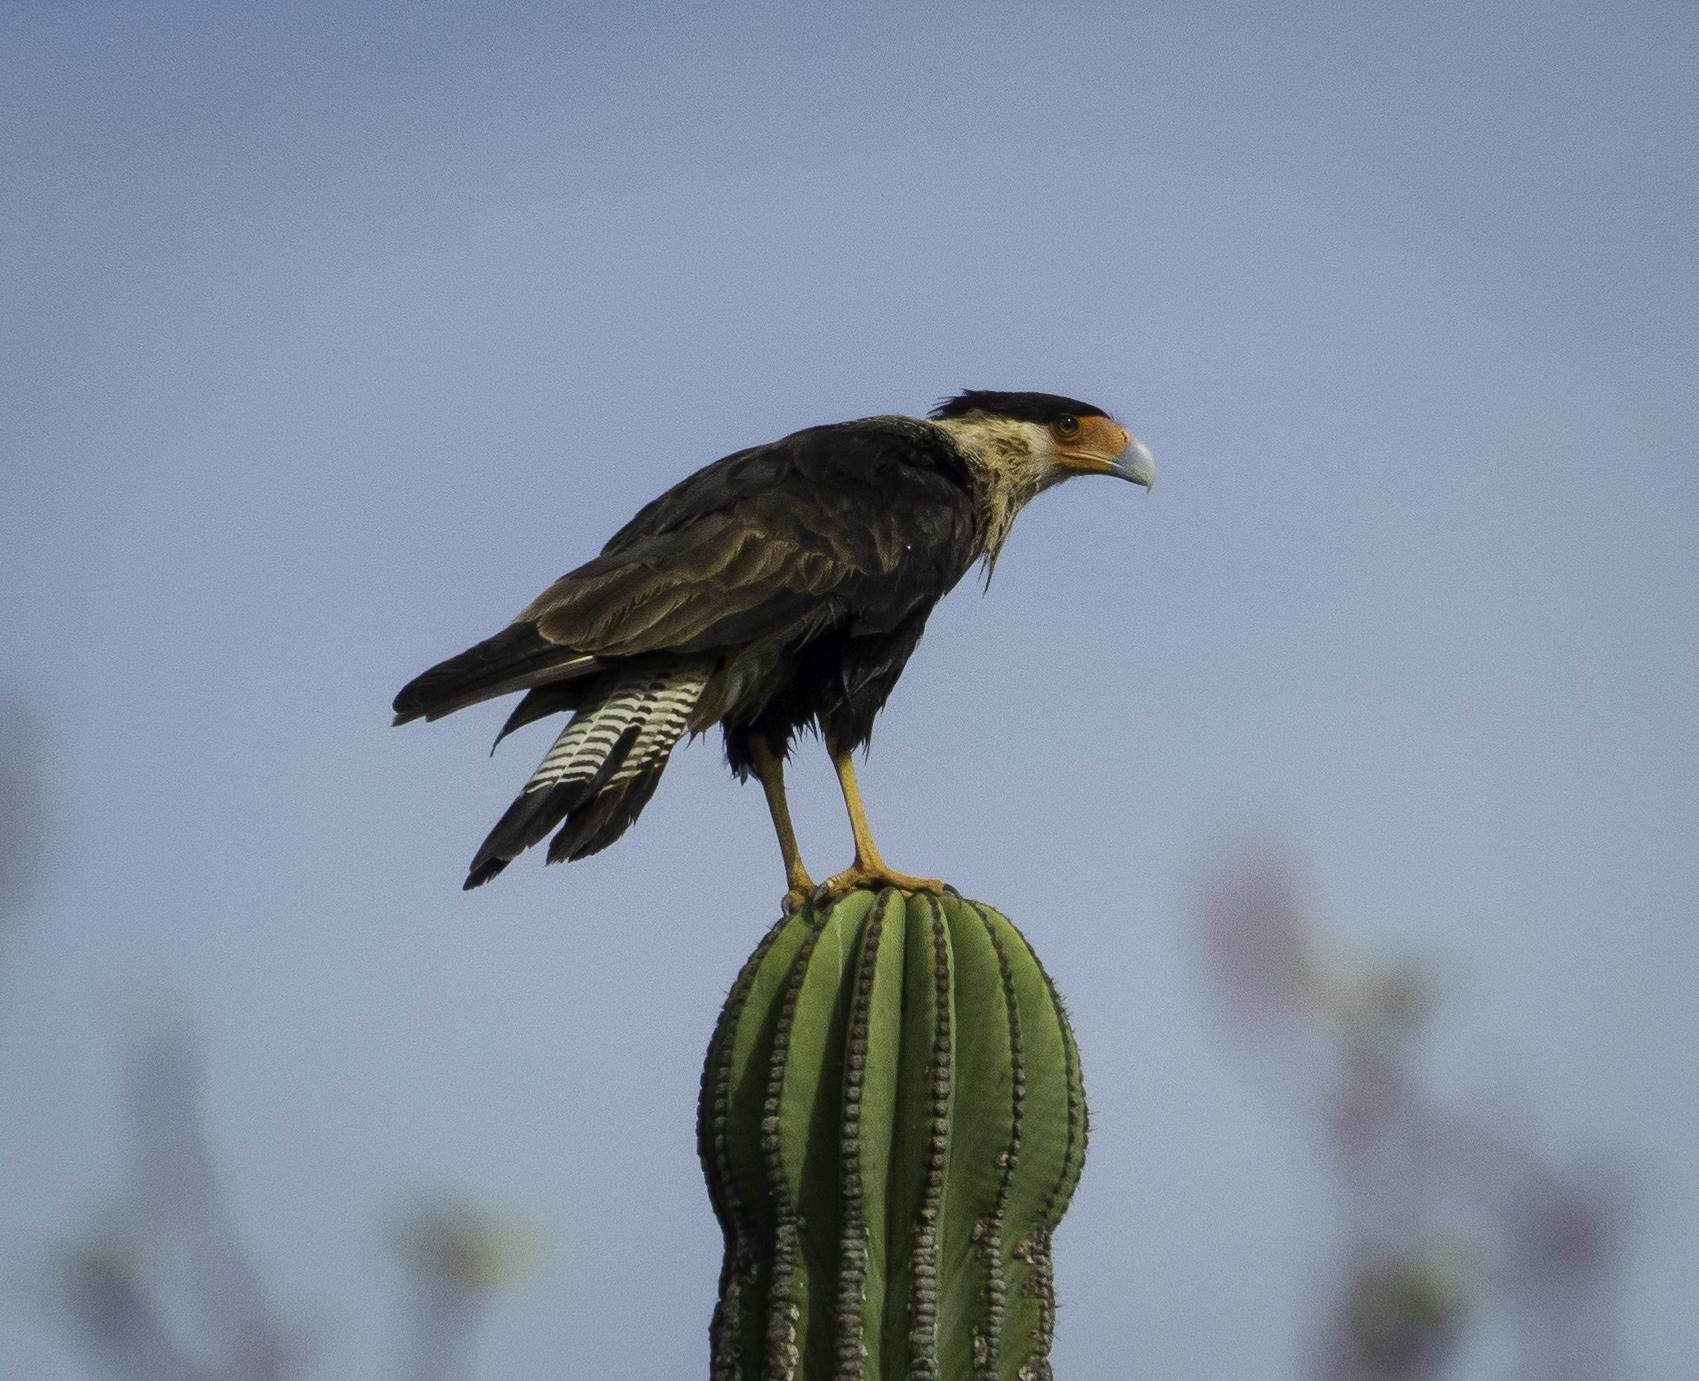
<point>781,587</point>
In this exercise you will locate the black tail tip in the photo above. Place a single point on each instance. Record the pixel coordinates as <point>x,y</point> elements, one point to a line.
<point>406,705</point>
<point>409,702</point>
<point>483,872</point>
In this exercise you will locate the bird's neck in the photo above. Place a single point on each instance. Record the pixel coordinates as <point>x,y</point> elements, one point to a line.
<point>1009,463</point>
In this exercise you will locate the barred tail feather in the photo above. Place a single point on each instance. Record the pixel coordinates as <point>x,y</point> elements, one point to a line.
<point>601,771</point>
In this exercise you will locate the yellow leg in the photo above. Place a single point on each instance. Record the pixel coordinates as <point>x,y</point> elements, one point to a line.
<point>771,771</point>
<point>869,869</point>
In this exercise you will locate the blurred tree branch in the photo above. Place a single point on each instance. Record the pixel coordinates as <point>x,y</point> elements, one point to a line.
<point>167,1290</point>
<point>458,1255</point>
<point>1345,1040</point>
<point>174,1293</point>
<point>20,808</point>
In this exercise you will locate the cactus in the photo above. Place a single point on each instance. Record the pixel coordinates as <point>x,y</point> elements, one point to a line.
<point>891,1125</point>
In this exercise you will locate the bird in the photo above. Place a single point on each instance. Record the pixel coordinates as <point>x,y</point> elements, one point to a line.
<point>778,589</point>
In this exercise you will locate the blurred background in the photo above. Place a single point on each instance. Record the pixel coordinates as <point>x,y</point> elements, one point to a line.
<point>1346,783</point>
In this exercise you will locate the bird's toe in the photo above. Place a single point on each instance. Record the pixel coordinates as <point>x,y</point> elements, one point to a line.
<point>861,877</point>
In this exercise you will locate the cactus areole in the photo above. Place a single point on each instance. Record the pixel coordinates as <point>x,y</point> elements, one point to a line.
<point>891,1124</point>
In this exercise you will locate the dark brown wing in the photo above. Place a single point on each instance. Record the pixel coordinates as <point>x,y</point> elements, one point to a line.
<point>856,525</point>
<point>860,520</point>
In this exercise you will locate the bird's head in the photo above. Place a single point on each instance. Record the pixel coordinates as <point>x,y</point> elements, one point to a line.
<point>1039,439</point>
<point>1018,444</point>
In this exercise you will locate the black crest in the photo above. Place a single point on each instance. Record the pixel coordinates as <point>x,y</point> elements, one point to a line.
<point>1042,408</point>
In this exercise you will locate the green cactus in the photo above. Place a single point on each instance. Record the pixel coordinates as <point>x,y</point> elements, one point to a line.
<point>891,1124</point>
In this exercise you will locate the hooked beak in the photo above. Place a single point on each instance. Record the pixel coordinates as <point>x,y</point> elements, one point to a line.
<point>1136,463</point>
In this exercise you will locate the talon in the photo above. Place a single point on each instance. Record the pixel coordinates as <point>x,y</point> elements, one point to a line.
<point>860,875</point>
<point>796,899</point>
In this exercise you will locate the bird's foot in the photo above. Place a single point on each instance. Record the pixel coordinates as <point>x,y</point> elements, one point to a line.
<point>872,877</point>
<point>801,891</point>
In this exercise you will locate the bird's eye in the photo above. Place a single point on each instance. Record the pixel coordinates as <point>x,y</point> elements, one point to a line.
<point>1067,426</point>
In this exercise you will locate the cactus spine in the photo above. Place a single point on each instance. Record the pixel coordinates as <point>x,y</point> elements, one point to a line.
<point>891,1124</point>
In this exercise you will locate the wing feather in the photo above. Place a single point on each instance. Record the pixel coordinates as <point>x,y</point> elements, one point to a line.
<point>858,524</point>
<point>866,519</point>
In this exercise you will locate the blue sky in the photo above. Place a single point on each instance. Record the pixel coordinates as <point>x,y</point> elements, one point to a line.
<point>332,334</point>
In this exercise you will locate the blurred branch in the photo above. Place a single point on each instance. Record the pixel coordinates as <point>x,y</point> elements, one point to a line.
<point>1558,1253</point>
<point>1398,1318</point>
<point>458,1255</point>
<point>170,1292</point>
<point>1346,1037</point>
<point>180,1298</point>
<point>1256,943</point>
<point>20,806</point>
<point>110,1310</point>
<point>177,1185</point>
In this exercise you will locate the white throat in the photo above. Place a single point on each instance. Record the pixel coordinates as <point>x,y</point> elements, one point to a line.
<point>1012,461</point>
